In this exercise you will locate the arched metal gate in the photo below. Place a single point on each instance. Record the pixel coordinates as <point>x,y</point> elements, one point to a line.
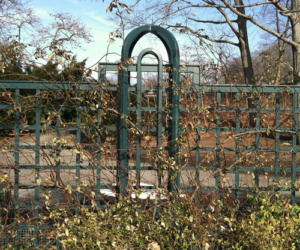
<point>173,91</point>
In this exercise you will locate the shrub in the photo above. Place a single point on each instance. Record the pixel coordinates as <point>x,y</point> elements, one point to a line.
<point>271,224</point>
<point>129,225</point>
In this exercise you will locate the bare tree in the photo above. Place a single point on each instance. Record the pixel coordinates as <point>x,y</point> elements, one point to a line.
<point>16,17</point>
<point>64,33</point>
<point>180,14</point>
<point>17,22</point>
<point>24,39</point>
<point>274,50</point>
<point>291,12</point>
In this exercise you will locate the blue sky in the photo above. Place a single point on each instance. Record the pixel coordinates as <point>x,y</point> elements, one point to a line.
<point>93,14</point>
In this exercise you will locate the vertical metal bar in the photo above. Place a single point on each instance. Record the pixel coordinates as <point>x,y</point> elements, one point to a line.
<point>102,74</point>
<point>17,157</point>
<point>98,166</point>
<point>197,83</point>
<point>277,139</point>
<point>57,153</point>
<point>218,138</point>
<point>37,154</point>
<point>159,122</point>
<point>257,138</point>
<point>174,185</point>
<point>237,147</point>
<point>159,112</point>
<point>294,151</point>
<point>160,103</point>
<point>57,162</point>
<point>139,118</point>
<point>78,139</point>
<point>123,144</point>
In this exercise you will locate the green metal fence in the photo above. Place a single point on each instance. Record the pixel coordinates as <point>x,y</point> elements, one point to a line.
<point>208,100</point>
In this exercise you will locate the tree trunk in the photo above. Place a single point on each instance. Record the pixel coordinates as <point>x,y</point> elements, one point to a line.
<point>295,22</point>
<point>280,50</point>
<point>246,57</point>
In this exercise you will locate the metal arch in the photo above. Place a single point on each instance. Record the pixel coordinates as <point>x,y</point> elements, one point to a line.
<point>172,48</point>
<point>159,79</point>
<point>149,51</point>
<point>164,35</point>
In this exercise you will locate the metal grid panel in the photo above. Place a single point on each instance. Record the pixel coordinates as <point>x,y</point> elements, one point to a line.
<point>199,90</point>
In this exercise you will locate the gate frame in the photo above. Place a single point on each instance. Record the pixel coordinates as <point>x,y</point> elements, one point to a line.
<point>171,45</point>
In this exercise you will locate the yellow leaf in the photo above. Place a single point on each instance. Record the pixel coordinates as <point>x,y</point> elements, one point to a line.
<point>38,182</point>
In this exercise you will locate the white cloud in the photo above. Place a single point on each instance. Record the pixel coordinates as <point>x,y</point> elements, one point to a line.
<point>41,13</point>
<point>96,50</point>
<point>93,15</point>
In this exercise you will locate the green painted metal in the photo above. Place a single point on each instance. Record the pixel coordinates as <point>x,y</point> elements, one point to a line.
<point>277,136</point>
<point>37,148</point>
<point>17,158</point>
<point>172,48</point>
<point>294,149</point>
<point>237,147</point>
<point>257,136</point>
<point>18,88</point>
<point>218,133</point>
<point>159,108</point>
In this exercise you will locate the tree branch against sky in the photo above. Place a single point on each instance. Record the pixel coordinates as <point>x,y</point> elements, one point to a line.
<point>279,59</point>
<point>181,17</point>
<point>61,35</point>
<point>16,17</point>
<point>181,13</point>
<point>26,41</point>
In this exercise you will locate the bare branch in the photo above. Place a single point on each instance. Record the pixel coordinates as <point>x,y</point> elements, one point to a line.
<point>213,22</point>
<point>211,4</point>
<point>218,40</point>
<point>260,25</point>
<point>197,34</point>
<point>229,22</point>
<point>256,4</point>
<point>279,5</point>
